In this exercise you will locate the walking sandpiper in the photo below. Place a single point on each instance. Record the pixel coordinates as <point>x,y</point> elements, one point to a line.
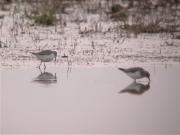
<point>45,56</point>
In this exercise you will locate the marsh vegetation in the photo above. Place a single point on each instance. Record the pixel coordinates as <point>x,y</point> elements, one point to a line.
<point>91,32</point>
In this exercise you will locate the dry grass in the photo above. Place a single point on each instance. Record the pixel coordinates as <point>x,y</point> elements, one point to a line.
<point>141,28</point>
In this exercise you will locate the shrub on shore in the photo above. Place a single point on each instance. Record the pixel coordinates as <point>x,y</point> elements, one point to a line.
<point>43,19</point>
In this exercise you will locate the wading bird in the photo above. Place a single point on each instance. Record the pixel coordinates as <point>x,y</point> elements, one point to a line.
<point>136,73</point>
<point>45,56</point>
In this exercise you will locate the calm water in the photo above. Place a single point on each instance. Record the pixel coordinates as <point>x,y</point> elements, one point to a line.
<point>88,100</point>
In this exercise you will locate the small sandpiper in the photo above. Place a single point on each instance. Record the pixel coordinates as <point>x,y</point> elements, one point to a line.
<point>45,56</point>
<point>46,78</point>
<point>136,73</point>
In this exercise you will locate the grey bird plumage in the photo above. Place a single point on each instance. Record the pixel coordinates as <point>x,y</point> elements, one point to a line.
<point>136,73</point>
<point>46,78</point>
<point>136,88</point>
<point>45,56</point>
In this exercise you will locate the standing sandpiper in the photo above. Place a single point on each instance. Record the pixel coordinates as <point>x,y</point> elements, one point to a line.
<point>136,73</point>
<point>45,56</point>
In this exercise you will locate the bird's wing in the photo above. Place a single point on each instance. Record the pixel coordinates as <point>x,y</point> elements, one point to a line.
<point>131,91</point>
<point>45,52</point>
<point>134,69</point>
<point>131,70</point>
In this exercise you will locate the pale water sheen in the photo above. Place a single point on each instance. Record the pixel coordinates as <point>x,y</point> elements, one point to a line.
<point>87,100</point>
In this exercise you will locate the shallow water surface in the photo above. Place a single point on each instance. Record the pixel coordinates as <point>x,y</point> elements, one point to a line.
<point>89,100</point>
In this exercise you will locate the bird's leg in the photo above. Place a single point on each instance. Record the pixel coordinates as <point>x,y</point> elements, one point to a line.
<point>135,80</point>
<point>44,66</point>
<point>40,65</point>
<point>40,70</point>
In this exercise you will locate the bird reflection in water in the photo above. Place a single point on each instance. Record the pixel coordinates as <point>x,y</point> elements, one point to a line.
<point>135,73</point>
<point>46,78</point>
<point>136,88</point>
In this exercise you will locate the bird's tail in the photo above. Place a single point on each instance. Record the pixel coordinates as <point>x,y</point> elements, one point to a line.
<point>33,53</point>
<point>122,91</point>
<point>122,69</point>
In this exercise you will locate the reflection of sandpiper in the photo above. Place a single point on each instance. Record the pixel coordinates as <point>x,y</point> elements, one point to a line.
<point>45,56</point>
<point>136,88</point>
<point>46,78</point>
<point>136,73</point>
